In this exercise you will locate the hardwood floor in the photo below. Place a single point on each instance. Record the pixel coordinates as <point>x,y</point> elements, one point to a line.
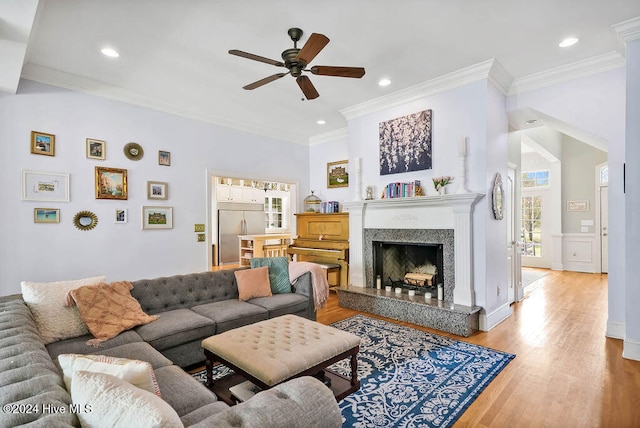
<point>566,372</point>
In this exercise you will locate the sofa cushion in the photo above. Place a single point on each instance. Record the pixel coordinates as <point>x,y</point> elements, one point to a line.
<point>108,309</point>
<point>203,413</point>
<point>137,351</point>
<point>46,301</point>
<point>230,314</point>
<point>282,304</point>
<point>136,372</point>
<point>78,345</point>
<point>182,391</point>
<point>278,272</point>
<point>176,327</point>
<point>115,402</point>
<point>253,283</point>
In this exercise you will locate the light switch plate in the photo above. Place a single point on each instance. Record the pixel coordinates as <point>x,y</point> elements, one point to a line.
<point>584,229</point>
<point>586,223</point>
<point>201,237</point>
<point>198,227</point>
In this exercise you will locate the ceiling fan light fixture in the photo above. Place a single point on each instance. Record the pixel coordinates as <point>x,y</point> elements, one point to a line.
<point>110,52</point>
<point>384,82</point>
<point>569,41</point>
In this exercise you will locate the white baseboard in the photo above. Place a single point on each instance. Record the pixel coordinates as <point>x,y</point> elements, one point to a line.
<point>616,330</point>
<point>631,350</point>
<point>489,321</point>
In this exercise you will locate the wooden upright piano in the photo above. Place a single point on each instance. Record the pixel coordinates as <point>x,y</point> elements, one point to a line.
<point>323,239</point>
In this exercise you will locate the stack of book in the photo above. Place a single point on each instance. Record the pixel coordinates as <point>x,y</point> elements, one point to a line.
<point>330,207</point>
<point>402,190</point>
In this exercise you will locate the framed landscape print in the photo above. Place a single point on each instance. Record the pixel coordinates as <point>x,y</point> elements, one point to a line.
<point>157,190</point>
<point>338,174</point>
<point>157,217</point>
<point>43,143</point>
<point>164,158</point>
<point>45,186</point>
<point>111,183</point>
<point>96,149</point>
<point>46,215</point>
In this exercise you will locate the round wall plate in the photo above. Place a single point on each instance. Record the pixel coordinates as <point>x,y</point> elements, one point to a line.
<point>133,151</point>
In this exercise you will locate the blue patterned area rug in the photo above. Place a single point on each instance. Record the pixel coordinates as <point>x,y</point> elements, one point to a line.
<point>410,378</point>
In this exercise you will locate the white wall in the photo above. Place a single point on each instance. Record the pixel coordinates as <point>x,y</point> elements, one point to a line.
<point>319,156</point>
<point>596,104</point>
<point>48,252</point>
<point>632,247</point>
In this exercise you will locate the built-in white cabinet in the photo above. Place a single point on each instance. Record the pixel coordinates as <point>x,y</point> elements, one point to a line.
<point>230,193</point>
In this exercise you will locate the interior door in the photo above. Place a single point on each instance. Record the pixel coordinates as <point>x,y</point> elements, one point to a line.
<point>604,228</point>
<point>513,244</point>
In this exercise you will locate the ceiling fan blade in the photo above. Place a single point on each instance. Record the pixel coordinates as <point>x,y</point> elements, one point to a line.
<point>326,70</point>
<point>314,45</point>
<point>264,81</point>
<point>256,57</point>
<point>307,87</point>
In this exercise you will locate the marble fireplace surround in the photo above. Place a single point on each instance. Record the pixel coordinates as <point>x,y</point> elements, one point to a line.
<point>426,217</point>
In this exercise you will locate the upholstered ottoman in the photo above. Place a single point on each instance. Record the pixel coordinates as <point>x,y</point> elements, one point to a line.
<point>272,351</point>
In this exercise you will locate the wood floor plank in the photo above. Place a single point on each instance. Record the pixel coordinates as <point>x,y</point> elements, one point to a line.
<point>566,372</point>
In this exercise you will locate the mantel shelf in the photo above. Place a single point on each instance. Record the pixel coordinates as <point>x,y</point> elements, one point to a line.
<point>466,199</point>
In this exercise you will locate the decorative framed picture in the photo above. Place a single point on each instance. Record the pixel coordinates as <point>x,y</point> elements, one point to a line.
<point>164,158</point>
<point>45,186</point>
<point>46,215</point>
<point>157,190</point>
<point>120,216</point>
<point>405,143</point>
<point>111,183</point>
<point>96,149</point>
<point>157,217</point>
<point>577,205</point>
<point>338,174</point>
<point>43,143</point>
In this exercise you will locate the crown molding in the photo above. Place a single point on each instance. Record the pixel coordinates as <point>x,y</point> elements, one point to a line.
<point>328,137</point>
<point>628,31</point>
<point>84,85</point>
<point>443,83</point>
<point>587,67</point>
<point>499,77</point>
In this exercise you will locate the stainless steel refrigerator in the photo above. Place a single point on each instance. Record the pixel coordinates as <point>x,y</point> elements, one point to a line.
<point>237,219</point>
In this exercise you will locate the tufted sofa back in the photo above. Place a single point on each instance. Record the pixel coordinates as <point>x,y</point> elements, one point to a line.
<point>185,291</point>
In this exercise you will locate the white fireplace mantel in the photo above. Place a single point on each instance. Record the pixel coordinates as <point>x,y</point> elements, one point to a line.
<point>425,212</point>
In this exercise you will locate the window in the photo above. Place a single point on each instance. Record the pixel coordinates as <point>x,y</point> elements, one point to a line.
<point>604,175</point>
<point>274,212</point>
<point>535,179</point>
<point>531,226</point>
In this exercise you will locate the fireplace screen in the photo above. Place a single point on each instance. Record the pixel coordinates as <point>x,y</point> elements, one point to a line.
<point>413,266</point>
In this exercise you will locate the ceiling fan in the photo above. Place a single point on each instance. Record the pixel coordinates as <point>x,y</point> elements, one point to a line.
<point>296,61</point>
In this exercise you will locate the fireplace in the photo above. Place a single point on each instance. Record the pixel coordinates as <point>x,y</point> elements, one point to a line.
<point>415,267</point>
<point>392,253</point>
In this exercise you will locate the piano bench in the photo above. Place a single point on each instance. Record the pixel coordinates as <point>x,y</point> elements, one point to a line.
<point>332,271</point>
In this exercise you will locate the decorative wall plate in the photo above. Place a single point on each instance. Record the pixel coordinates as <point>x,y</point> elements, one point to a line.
<point>85,220</point>
<point>133,151</point>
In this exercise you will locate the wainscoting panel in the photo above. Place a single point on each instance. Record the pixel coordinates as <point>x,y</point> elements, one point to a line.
<point>579,252</point>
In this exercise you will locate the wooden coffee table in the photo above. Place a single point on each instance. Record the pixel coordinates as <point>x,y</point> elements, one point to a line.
<point>273,351</point>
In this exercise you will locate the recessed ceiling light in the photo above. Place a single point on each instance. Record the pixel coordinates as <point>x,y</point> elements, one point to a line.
<point>531,121</point>
<point>569,41</point>
<point>112,53</point>
<point>321,122</point>
<point>384,82</point>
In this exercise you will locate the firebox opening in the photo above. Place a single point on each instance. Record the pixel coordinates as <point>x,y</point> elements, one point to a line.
<point>409,265</point>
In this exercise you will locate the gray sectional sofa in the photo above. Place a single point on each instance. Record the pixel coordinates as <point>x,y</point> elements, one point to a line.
<point>190,308</point>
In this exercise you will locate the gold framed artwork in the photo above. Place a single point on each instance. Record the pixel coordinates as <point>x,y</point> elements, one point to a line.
<point>111,183</point>
<point>157,190</point>
<point>43,143</point>
<point>157,217</point>
<point>46,215</point>
<point>338,174</point>
<point>164,158</point>
<point>96,149</point>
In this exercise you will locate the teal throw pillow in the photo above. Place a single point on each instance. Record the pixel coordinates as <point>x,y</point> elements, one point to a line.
<point>278,272</point>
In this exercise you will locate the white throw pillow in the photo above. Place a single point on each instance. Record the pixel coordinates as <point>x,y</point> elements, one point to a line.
<point>46,301</point>
<point>136,372</point>
<point>105,401</point>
